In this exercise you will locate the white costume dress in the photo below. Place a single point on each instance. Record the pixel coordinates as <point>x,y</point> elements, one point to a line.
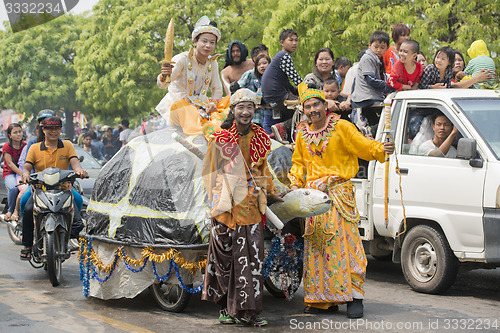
<point>190,80</point>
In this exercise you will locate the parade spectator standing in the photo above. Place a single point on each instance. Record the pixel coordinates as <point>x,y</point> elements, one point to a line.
<point>251,79</point>
<point>440,74</point>
<point>234,273</point>
<point>406,72</point>
<point>11,151</point>
<point>400,33</point>
<point>236,64</point>
<point>276,87</point>
<point>326,158</point>
<point>257,51</point>
<point>111,144</point>
<point>90,147</point>
<point>125,133</point>
<point>370,86</point>
<point>342,65</point>
<point>480,61</point>
<point>324,62</point>
<point>458,66</point>
<point>422,59</point>
<point>351,74</point>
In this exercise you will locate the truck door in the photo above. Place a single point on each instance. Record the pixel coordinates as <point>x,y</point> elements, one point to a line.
<point>444,190</point>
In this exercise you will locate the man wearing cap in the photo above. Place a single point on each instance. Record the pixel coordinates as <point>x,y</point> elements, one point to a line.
<point>237,179</point>
<point>192,74</point>
<point>51,152</point>
<point>326,158</point>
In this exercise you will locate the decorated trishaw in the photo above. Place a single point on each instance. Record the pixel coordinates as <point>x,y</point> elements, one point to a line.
<point>148,223</point>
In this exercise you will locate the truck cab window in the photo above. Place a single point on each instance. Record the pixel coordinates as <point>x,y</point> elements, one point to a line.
<point>429,131</point>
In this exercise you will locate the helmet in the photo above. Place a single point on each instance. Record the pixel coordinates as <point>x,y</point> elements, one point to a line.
<point>45,114</point>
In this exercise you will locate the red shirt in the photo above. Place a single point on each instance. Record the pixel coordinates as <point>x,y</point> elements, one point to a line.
<point>15,153</point>
<point>400,76</point>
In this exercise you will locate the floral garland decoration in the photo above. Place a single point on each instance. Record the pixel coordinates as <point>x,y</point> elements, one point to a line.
<point>289,252</point>
<point>89,261</point>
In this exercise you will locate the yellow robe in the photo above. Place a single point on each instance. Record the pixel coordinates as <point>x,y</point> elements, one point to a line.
<point>186,116</point>
<point>334,259</point>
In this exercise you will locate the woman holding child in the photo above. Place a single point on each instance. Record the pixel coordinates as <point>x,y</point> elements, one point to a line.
<point>440,74</point>
<point>323,68</point>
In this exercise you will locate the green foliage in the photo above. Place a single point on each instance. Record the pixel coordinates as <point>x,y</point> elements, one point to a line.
<point>36,66</point>
<point>121,50</point>
<point>345,25</point>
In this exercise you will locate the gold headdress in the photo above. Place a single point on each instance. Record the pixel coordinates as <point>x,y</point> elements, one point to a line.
<point>305,93</point>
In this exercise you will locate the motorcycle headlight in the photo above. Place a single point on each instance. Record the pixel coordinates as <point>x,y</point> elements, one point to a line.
<point>51,179</point>
<point>67,203</point>
<point>40,203</point>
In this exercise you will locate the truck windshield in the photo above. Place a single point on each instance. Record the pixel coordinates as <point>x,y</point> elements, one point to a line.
<point>484,114</point>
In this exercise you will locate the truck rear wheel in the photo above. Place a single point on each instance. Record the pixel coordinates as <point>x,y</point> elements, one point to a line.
<point>427,260</point>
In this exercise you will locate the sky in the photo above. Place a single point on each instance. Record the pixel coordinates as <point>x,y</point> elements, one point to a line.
<point>82,6</point>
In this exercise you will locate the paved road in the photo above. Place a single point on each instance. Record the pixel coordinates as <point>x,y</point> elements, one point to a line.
<point>28,303</point>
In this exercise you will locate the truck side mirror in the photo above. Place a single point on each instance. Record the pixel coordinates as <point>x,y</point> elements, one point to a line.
<point>467,150</point>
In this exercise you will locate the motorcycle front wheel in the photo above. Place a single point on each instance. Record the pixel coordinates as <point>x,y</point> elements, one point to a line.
<point>54,260</point>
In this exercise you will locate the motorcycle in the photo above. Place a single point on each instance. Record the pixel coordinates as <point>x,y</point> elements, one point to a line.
<point>53,217</point>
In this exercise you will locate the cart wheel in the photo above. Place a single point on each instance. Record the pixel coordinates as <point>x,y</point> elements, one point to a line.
<point>170,297</point>
<point>277,282</point>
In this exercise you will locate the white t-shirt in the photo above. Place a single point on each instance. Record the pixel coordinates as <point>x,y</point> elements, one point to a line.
<point>124,135</point>
<point>428,146</point>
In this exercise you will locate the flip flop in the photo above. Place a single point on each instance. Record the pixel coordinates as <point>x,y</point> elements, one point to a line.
<point>14,217</point>
<point>25,254</point>
<point>7,216</point>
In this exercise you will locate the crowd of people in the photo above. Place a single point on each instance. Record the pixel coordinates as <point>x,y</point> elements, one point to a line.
<point>341,104</point>
<point>340,101</point>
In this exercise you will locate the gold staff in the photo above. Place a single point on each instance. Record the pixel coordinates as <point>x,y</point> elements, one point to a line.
<point>169,46</point>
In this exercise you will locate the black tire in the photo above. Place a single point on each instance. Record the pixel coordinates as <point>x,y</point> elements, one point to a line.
<point>427,261</point>
<point>15,232</point>
<point>272,283</point>
<point>170,297</point>
<point>54,260</point>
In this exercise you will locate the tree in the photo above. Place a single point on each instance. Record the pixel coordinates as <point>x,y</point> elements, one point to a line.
<point>345,25</point>
<point>121,50</point>
<point>36,68</point>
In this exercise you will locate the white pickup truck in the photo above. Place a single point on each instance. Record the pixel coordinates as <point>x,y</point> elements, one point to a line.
<point>452,205</point>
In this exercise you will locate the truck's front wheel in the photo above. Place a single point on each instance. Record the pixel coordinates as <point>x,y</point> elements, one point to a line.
<point>427,260</point>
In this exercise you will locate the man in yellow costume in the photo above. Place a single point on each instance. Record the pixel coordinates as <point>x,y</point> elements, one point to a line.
<point>326,158</point>
<point>192,74</point>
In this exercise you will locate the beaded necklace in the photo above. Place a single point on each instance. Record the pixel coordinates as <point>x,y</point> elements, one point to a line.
<point>311,136</point>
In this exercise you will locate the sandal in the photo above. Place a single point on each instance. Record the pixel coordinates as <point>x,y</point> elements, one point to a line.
<point>7,217</point>
<point>25,254</point>
<point>14,217</point>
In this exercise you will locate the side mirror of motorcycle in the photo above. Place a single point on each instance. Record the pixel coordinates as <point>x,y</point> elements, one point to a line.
<point>80,158</point>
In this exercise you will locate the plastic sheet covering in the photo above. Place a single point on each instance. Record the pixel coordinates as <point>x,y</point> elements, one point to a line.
<point>280,162</point>
<point>151,193</point>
